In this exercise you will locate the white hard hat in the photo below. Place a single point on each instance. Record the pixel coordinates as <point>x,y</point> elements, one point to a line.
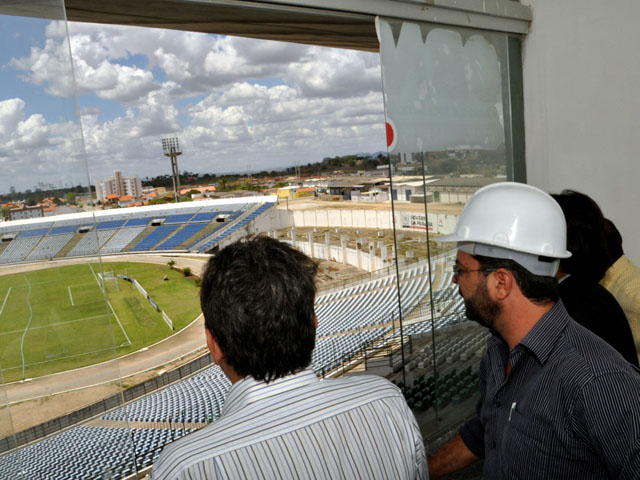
<point>516,221</point>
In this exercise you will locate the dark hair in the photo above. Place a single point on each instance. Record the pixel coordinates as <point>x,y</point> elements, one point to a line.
<point>614,241</point>
<point>257,297</point>
<point>540,289</point>
<point>586,238</point>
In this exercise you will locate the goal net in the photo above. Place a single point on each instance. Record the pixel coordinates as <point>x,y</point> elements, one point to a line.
<point>108,282</point>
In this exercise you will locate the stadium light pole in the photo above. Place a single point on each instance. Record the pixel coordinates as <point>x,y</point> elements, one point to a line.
<point>171,148</point>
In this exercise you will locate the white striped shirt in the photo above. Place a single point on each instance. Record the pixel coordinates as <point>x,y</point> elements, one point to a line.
<point>301,427</point>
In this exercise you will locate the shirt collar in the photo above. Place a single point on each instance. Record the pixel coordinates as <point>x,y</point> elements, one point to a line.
<point>249,390</point>
<point>542,337</point>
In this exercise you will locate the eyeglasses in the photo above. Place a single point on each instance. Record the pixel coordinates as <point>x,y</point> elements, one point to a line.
<point>457,271</point>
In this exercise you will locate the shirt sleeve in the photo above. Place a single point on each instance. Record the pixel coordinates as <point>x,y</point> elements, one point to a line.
<point>607,417</point>
<point>472,432</point>
<point>421,456</point>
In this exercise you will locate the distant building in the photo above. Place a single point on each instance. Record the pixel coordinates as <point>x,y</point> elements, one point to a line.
<point>25,212</point>
<point>126,201</point>
<point>459,189</point>
<point>202,191</point>
<point>292,192</point>
<point>118,185</point>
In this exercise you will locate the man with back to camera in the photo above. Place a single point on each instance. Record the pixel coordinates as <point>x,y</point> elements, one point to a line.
<point>279,420</point>
<point>556,401</point>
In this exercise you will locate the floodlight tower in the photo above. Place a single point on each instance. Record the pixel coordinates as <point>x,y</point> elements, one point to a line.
<point>171,148</point>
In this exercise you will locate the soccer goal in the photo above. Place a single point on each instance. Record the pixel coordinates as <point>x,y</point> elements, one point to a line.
<point>108,282</point>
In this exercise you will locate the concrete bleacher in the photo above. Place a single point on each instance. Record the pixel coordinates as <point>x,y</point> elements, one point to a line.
<point>137,222</point>
<point>156,236</point>
<point>50,245</point>
<point>371,303</point>
<point>91,243</point>
<point>198,399</point>
<point>180,218</point>
<point>204,217</point>
<point>22,245</point>
<point>121,239</point>
<point>331,352</point>
<point>109,225</point>
<point>170,227</point>
<point>87,452</point>
<point>183,235</point>
<point>206,243</point>
<point>238,219</point>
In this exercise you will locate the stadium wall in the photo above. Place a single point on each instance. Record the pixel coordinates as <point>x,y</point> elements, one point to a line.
<point>441,223</point>
<point>361,259</point>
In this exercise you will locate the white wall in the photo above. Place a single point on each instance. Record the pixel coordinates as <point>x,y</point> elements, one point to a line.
<point>582,105</point>
<point>442,223</point>
<point>356,258</point>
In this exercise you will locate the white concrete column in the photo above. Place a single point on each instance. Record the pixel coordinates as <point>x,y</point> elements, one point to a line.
<point>343,244</point>
<point>372,256</point>
<point>383,250</point>
<point>311,249</point>
<point>327,244</point>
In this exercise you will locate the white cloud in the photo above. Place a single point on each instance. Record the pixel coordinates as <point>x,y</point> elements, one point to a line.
<point>234,103</point>
<point>49,67</point>
<point>32,150</point>
<point>131,84</point>
<point>267,122</point>
<point>11,113</point>
<point>19,133</point>
<point>336,73</point>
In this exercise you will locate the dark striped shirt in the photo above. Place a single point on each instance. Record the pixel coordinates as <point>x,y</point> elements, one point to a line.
<point>301,427</point>
<point>570,407</point>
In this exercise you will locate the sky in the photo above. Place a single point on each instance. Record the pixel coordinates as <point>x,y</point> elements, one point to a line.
<point>236,105</point>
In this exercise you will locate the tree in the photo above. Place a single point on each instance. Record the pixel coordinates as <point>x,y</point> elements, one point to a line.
<point>160,201</point>
<point>71,198</point>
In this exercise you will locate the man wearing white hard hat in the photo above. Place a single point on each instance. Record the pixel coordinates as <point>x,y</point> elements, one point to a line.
<point>556,401</point>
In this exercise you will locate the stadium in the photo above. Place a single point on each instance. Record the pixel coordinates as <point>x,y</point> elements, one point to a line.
<point>359,322</point>
<point>103,359</point>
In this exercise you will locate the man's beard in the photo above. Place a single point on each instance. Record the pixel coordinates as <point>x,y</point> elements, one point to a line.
<point>480,308</point>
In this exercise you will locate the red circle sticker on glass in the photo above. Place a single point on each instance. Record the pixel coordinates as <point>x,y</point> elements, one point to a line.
<point>392,135</point>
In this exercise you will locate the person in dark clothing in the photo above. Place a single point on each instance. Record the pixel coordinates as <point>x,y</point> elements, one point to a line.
<point>593,307</point>
<point>588,302</point>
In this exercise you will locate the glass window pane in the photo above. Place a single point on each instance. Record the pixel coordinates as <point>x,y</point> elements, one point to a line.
<point>55,321</point>
<point>445,101</point>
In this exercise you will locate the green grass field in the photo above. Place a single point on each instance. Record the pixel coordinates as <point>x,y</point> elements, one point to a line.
<point>58,319</point>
